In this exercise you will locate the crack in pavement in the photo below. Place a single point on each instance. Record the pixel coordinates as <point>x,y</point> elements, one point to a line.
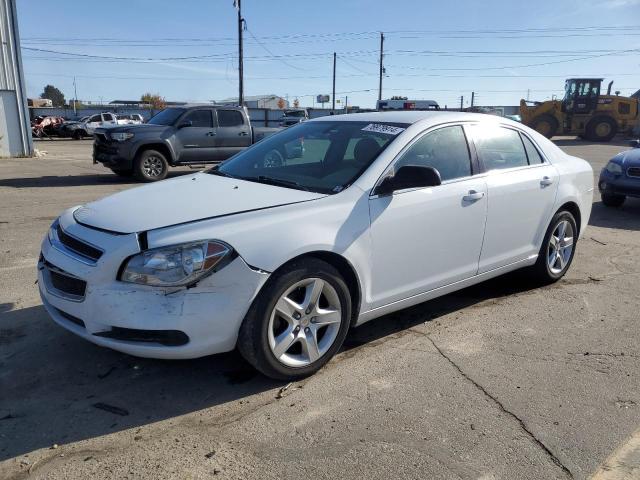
<point>497,402</point>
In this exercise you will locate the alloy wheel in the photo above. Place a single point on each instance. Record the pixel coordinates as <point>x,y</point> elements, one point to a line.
<point>305,322</point>
<point>152,166</point>
<point>560,247</point>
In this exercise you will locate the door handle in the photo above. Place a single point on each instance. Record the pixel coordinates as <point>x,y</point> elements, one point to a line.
<point>243,134</point>
<point>210,134</point>
<point>546,181</point>
<point>473,196</point>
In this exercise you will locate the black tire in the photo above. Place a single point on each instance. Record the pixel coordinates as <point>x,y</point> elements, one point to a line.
<point>541,271</point>
<point>546,125</point>
<point>253,342</point>
<point>150,166</point>
<point>77,135</point>
<point>601,129</point>
<point>125,173</point>
<point>610,200</point>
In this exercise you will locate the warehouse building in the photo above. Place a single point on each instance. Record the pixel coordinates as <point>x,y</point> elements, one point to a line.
<point>15,128</point>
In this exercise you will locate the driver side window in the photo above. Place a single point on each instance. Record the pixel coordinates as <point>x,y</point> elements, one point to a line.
<point>444,149</point>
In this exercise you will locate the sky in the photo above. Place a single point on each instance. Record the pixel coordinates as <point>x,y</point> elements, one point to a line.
<point>503,50</point>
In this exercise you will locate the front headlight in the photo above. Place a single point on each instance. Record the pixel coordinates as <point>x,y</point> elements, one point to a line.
<point>176,265</point>
<point>613,167</point>
<point>121,136</point>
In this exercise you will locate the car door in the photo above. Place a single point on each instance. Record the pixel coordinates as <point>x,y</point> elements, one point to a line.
<point>233,134</point>
<point>108,120</point>
<point>196,136</point>
<point>521,188</point>
<point>426,238</point>
<point>93,122</point>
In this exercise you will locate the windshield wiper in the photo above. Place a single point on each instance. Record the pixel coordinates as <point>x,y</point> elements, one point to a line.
<point>280,182</point>
<point>216,171</point>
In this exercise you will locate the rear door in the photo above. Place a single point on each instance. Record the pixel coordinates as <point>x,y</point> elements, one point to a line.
<point>196,137</point>
<point>233,133</point>
<point>521,188</point>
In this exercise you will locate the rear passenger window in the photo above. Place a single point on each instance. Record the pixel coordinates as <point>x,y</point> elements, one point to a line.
<point>199,118</point>
<point>444,149</point>
<point>532,151</point>
<point>499,147</point>
<point>229,118</point>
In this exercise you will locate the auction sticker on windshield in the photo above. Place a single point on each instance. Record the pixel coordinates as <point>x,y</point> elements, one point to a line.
<point>381,128</point>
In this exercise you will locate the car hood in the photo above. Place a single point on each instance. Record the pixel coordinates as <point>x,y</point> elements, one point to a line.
<point>184,199</point>
<point>630,158</point>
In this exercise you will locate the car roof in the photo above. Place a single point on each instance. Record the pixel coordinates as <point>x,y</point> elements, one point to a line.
<point>413,116</point>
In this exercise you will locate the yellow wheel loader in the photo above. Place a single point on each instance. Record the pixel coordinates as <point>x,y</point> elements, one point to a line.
<point>583,111</point>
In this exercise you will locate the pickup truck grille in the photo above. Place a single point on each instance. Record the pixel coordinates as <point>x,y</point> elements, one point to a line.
<point>633,172</point>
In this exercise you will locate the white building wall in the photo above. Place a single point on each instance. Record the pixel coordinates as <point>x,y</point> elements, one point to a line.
<point>15,129</point>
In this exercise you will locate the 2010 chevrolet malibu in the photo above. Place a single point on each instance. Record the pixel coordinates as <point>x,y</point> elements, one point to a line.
<point>326,225</point>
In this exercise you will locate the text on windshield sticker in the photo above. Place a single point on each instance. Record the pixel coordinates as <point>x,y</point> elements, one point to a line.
<point>380,128</point>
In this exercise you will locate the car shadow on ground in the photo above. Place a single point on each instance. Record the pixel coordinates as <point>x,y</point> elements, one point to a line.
<point>77,180</point>
<point>572,142</point>
<point>626,217</point>
<point>58,389</point>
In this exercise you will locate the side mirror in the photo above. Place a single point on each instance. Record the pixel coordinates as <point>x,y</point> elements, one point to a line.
<point>635,143</point>
<point>185,124</point>
<point>409,176</point>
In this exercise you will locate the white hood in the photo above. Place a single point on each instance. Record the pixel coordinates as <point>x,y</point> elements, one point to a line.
<point>184,199</point>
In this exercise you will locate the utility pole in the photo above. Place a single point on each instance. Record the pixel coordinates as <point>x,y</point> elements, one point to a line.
<point>240,66</point>
<point>473,95</point>
<point>75,96</point>
<point>461,102</point>
<point>333,96</point>
<point>381,67</point>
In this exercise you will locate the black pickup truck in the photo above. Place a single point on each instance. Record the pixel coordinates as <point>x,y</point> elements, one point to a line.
<point>193,135</point>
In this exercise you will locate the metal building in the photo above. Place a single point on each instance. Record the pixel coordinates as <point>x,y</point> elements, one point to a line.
<point>15,127</point>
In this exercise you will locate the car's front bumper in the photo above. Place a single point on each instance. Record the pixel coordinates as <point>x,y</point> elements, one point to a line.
<point>618,184</point>
<point>141,320</point>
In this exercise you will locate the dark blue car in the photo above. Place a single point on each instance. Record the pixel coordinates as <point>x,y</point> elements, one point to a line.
<point>620,178</point>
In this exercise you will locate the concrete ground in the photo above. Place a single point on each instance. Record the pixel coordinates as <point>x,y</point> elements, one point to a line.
<point>502,380</point>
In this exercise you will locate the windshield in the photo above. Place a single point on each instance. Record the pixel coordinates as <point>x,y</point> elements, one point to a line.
<point>294,113</point>
<point>166,117</point>
<point>323,157</point>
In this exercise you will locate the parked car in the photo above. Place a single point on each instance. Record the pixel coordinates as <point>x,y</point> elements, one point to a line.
<point>177,136</point>
<point>74,129</point>
<point>381,212</point>
<point>45,126</point>
<point>620,178</point>
<point>292,116</point>
<point>100,120</point>
<point>129,119</point>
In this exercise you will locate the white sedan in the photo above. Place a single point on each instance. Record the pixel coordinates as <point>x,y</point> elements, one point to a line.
<point>375,213</point>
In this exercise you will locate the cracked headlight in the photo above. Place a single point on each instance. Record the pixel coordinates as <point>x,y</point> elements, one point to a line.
<point>177,265</point>
<point>614,168</point>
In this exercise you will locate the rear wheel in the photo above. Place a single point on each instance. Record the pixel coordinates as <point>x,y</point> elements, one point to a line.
<point>298,321</point>
<point>610,200</point>
<point>601,129</point>
<point>150,166</point>
<point>78,134</point>
<point>558,247</point>
<point>545,125</point>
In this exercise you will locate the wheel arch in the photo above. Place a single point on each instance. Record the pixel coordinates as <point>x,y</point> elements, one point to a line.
<point>346,270</point>
<point>159,146</point>
<point>573,208</point>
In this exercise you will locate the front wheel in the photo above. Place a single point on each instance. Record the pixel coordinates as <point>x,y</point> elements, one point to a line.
<point>558,247</point>
<point>150,166</point>
<point>298,321</point>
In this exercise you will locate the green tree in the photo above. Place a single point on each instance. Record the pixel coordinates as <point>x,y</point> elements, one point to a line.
<point>154,100</point>
<point>53,94</point>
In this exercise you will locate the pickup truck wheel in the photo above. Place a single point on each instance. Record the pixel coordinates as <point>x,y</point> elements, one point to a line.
<point>150,166</point>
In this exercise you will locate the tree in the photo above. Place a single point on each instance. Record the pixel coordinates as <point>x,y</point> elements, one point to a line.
<point>296,103</point>
<point>154,100</point>
<point>281,103</point>
<point>53,94</point>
